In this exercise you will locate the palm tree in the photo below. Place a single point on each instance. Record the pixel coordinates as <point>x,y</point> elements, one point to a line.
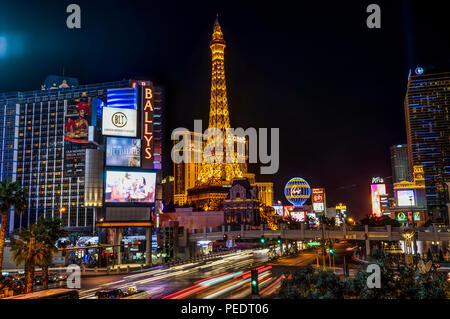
<point>49,230</point>
<point>12,195</point>
<point>26,248</point>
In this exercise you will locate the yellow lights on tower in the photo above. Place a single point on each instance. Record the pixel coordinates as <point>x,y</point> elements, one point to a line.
<point>212,173</point>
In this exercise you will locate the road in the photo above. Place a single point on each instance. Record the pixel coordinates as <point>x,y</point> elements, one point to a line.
<point>161,281</point>
<point>225,277</point>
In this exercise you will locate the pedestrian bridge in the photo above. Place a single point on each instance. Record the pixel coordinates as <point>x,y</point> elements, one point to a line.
<point>366,233</point>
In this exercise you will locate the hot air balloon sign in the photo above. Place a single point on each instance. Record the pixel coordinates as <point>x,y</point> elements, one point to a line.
<point>297,191</point>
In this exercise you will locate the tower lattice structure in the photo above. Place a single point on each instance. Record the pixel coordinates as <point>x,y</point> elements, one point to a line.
<point>212,173</point>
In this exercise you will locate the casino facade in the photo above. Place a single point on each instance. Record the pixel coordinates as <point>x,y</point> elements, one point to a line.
<point>86,153</point>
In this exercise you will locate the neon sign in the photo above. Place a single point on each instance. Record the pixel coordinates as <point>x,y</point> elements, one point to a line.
<point>147,127</point>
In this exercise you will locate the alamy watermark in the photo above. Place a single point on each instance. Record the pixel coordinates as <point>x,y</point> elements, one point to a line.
<point>231,148</point>
<point>374,279</point>
<point>74,277</point>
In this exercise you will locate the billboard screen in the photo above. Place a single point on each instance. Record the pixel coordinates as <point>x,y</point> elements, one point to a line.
<point>407,216</point>
<point>298,215</point>
<point>123,152</point>
<point>377,190</point>
<point>278,209</point>
<point>119,122</point>
<point>130,187</point>
<point>318,207</point>
<point>78,119</point>
<point>318,199</point>
<point>287,211</point>
<point>405,197</point>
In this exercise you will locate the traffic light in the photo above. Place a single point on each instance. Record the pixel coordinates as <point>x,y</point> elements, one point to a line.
<point>254,282</point>
<point>330,249</point>
<point>225,237</point>
<point>239,236</point>
<point>262,240</point>
<point>279,240</point>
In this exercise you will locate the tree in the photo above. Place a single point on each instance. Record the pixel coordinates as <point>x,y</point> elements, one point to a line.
<point>12,195</point>
<point>396,283</point>
<point>26,248</point>
<point>48,232</point>
<point>73,237</point>
<point>371,220</point>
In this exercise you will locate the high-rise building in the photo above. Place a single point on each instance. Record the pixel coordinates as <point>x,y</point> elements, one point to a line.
<point>186,172</point>
<point>265,193</point>
<point>167,189</point>
<point>427,114</point>
<point>400,163</point>
<point>52,143</point>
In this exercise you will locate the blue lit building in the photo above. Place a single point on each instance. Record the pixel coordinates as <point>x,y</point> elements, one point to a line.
<point>51,142</point>
<point>427,115</point>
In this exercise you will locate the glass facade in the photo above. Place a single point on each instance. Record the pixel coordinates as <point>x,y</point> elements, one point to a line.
<point>428,129</point>
<point>400,163</point>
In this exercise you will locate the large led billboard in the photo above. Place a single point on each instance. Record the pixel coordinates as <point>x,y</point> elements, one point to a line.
<point>119,122</point>
<point>77,121</point>
<point>122,151</point>
<point>405,197</point>
<point>130,187</point>
<point>376,191</point>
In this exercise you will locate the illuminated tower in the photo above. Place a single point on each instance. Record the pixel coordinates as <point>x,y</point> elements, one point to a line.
<point>219,173</point>
<point>215,178</point>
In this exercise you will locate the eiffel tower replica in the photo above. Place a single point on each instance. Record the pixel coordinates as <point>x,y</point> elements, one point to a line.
<point>214,179</point>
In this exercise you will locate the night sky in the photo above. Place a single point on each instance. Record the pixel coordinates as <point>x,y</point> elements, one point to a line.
<point>334,87</point>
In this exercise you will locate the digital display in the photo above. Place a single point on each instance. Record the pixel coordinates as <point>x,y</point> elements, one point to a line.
<point>287,211</point>
<point>78,118</point>
<point>278,209</point>
<point>119,122</point>
<point>130,187</point>
<point>407,216</point>
<point>318,199</point>
<point>299,216</point>
<point>377,190</point>
<point>318,207</point>
<point>405,198</point>
<point>123,152</point>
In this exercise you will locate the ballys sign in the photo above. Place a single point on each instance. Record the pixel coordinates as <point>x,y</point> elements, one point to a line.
<point>147,127</point>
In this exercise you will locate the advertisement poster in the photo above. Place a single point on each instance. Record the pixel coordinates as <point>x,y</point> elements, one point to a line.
<point>76,126</point>
<point>123,152</point>
<point>130,187</point>
<point>376,191</point>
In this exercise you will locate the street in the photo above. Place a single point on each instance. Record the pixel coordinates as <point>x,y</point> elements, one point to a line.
<point>224,277</point>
